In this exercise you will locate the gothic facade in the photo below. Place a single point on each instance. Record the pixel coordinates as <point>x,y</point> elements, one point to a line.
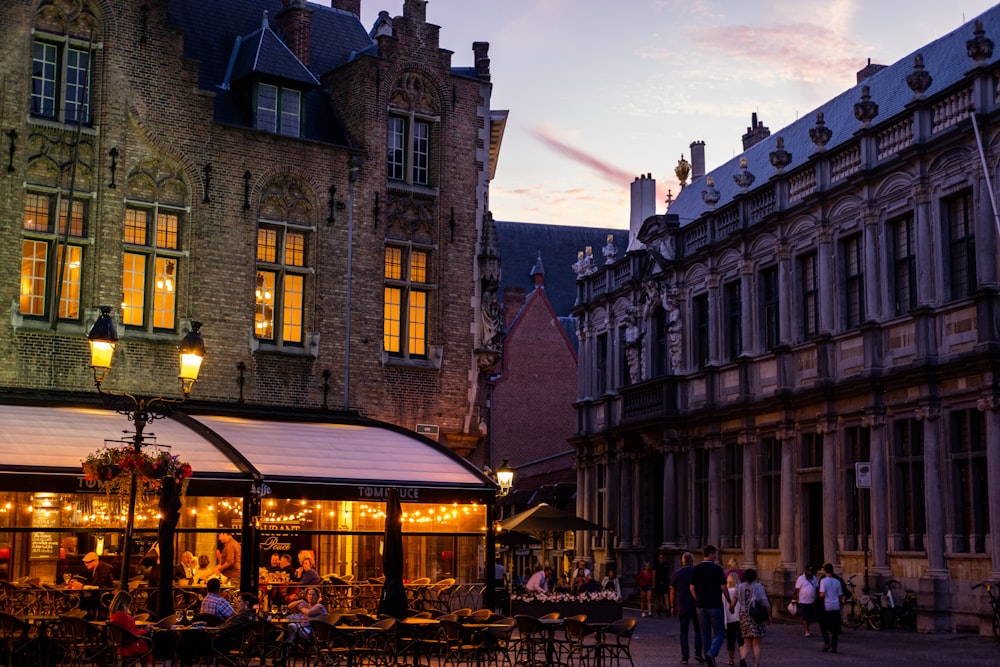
<point>313,191</point>
<point>797,361</point>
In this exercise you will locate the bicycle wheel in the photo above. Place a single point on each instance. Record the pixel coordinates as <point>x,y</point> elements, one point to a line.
<point>996,624</point>
<point>875,619</point>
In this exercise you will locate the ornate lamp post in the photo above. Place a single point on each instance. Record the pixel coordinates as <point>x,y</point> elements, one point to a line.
<point>140,411</point>
<point>505,478</point>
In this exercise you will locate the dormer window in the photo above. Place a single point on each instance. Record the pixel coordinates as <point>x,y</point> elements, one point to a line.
<point>279,110</point>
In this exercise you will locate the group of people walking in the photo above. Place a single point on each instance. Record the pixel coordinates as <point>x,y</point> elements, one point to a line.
<point>820,599</point>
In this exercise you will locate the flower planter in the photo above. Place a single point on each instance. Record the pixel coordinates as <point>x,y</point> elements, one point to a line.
<point>597,612</point>
<point>149,471</point>
<point>108,471</point>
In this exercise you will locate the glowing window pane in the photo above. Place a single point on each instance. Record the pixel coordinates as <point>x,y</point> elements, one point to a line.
<point>164,294</point>
<point>391,318</point>
<point>264,308</point>
<point>418,267</point>
<point>76,220</point>
<point>36,213</point>
<point>394,263</point>
<point>267,245</point>
<point>291,309</point>
<point>69,298</point>
<point>34,259</point>
<point>417,323</point>
<point>295,249</point>
<point>135,226</point>
<point>166,231</point>
<point>133,289</point>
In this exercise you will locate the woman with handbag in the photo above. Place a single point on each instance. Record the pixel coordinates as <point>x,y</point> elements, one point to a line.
<point>755,614</point>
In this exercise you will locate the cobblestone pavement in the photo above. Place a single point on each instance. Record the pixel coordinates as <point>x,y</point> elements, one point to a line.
<point>656,644</point>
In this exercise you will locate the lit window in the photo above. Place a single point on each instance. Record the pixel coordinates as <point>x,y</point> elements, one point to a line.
<point>60,82</point>
<point>409,150</point>
<point>279,110</point>
<point>39,241</point>
<point>281,258</point>
<point>405,313</point>
<point>150,267</point>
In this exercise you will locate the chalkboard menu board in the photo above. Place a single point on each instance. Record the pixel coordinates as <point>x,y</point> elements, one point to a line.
<point>44,544</point>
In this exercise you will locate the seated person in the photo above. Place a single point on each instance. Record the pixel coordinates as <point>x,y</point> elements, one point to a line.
<point>203,572</point>
<point>304,610</point>
<point>99,576</point>
<point>275,562</point>
<point>162,642</point>
<point>563,585</point>
<point>589,586</point>
<point>184,570</point>
<point>307,575</point>
<point>286,565</point>
<point>215,604</point>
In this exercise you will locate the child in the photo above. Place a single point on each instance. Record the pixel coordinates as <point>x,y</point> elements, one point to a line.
<point>734,637</point>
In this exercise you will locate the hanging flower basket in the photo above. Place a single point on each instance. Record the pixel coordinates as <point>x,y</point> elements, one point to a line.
<point>112,468</point>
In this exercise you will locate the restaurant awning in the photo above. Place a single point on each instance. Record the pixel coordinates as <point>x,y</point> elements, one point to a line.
<point>315,459</point>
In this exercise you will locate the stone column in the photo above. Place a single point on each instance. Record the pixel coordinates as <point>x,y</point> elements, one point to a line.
<point>832,502</point>
<point>625,475</point>
<point>927,283</point>
<point>714,318</point>
<point>612,507</point>
<point>713,450</point>
<point>669,498</point>
<point>878,518</point>
<point>636,500</point>
<point>990,406</point>
<point>747,299</point>
<point>786,540</point>
<point>748,441</point>
<point>933,492</point>
<point>872,307</point>
<point>787,294</point>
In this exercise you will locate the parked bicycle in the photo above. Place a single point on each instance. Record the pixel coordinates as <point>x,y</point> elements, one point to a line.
<point>902,615</point>
<point>862,610</point>
<point>991,590</point>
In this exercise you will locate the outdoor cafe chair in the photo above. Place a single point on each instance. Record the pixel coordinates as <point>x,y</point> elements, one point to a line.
<point>479,615</point>
<point>83,642</point>
<point>16,643</point>
<point>378,643</point>
<point>461,646</point>
<point>120,638</point>
<point>497,642</point>
<point>532,646</point>
<point>616,642</point>
<point>580,645</point>
<point>330,646</point>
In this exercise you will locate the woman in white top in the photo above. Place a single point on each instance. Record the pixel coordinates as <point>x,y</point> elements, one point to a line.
<point>610,582</point>
<point>734,637</point>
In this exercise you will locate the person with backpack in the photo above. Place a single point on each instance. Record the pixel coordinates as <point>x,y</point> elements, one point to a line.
<point>755,615</point>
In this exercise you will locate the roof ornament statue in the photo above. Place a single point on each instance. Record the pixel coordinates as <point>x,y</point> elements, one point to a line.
<point>865,110</point>
<point>610,251</point>
<point>780,158</point>
<point>743,178</point>
<point>980,47</point>
<point>821,134</point>
<point>682,171</point>
<point>919,80</point>
<point>710,195</point>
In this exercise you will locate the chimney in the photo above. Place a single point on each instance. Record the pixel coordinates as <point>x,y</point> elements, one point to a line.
<point>295,23</point>
<point>415,10</point>
<point>756,133</point>
<point>643,206</point>
<point>352,6</point>
<point>481,51</point>
<point>513,302</point>
<point>868,70</point>
<point>538,272</point>
<point>697,160</point>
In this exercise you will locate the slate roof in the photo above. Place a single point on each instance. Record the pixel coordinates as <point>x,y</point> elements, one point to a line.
<point>520,245</point>
<point>262,52</point>
<point>945,59</point>
<point>212,29</point>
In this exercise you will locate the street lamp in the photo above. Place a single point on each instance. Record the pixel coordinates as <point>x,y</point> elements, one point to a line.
<point>505,478</point>
<point>103,340</point>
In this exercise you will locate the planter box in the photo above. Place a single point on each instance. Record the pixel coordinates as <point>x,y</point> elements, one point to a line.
<point>597,612</point>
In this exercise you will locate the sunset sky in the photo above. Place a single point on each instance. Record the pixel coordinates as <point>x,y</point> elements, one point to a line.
<point>602,91</point>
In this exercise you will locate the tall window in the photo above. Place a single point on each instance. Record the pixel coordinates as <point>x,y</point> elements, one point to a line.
<point>601,499</point>
<point>624,377</point>
<point>812,451</point>
<point>770,492</point>
<point>961,245</point>
<point>769,307</point>
<point>280,284</point>
<point>279,110</point>
<point>969,481</point>
<point>732,303</point>
<point>854,281</point>
<point>150,268</point>
<point>910,519</point>
<point>660,365</point>
<point>857,449</point>
<point>40,271</point>
<point>732,514</point>
<point>904,264</point>
<point>407,292</point>
<point>700,499</point>
<point>700,339</point>
<point>60,81</point>
<point>409,150</point>
<point>602,364</point>
<point>810,295</point>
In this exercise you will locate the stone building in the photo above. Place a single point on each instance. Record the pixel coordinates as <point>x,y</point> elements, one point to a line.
<point>313,192</point>
<point>796,362</point>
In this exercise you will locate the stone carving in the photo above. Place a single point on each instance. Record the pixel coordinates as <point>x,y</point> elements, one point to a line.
<point>821,134</point>
<point>633,343</point>
<point>780,158</point>
<point>682,171</point>
<point>743,178</point>
<point>610,251</point>
<point>919,80</point>
<point>865,110</point>
<point>584,264</point>
<point>674,327</point>
<point>980,47</point>
<point>710,195</point>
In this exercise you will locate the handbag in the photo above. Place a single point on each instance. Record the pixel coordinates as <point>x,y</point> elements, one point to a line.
<point>793,608</point>
<point>756,610</point>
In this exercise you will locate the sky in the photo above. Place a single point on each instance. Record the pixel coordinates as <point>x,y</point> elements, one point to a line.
<point>601,91</point>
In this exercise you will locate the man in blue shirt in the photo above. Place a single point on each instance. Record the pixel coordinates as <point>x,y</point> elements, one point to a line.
<point>708,586</point>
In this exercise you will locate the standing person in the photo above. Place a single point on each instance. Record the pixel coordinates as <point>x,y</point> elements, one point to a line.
<point>734,635</point>
<point>229,557</point>
<point>539,581</point>
<point>734,568</point>
<point>708,586</point>
<point>682,603</point>
<point>644,580</point>
<point>748,592</point>
<point>499,574</point>
<point>806,589</point>
<point>661,585</point>
<point>831,594</point>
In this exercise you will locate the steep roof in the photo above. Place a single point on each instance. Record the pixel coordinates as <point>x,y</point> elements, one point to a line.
<point>263,52</point>
<point>520,245</point>
<point>945,59</point>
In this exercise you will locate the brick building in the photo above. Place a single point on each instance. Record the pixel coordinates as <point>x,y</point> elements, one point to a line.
<point>797,361</point>
<point>218,156</point>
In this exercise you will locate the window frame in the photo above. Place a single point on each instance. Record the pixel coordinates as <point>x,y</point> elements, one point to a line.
<point>732,302</point>
<point>279,119</point>
<point>62,81</point>
<point>732,483</point>
<point>409,148</point>
<point>410,332</point>
<point>904,271</point>
<point>288,287</point>
<point>156,285</point>
<point>910,516</point>
<point>852,252</point>
<point>969,480</point>
<point>770,308</point>
<point>51,237</point>
<point>961,247</point>
<point>857,449</point>
<point>808,268</point>
<point>770,492</point>
<point>700,330</point>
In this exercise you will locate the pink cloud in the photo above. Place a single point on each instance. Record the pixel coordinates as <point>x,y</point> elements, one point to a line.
<point>606,171</point>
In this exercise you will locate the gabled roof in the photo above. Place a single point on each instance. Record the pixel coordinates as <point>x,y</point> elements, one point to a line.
<point>262,52</point>
<point>945,59</point>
